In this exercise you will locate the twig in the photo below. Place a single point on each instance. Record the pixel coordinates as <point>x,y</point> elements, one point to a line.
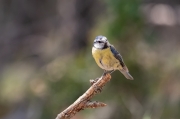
<point>84,101</point>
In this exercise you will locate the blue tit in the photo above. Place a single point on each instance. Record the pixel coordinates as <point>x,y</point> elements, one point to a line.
<point>108,58</point>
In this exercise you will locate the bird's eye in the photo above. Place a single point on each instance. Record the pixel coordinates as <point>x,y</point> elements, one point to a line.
<point>99,42</point>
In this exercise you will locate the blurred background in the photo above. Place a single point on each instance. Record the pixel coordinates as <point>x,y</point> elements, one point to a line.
<point>46,61</point>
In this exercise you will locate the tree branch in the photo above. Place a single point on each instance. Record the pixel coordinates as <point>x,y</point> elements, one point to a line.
<point>84,101</point>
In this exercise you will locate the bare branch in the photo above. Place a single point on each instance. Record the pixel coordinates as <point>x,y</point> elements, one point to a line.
<point>94,104</point>
<point>84,101</point>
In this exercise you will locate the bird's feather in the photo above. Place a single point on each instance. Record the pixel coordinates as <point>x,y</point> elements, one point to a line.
<point>118,56</point>
<point>126,74</point>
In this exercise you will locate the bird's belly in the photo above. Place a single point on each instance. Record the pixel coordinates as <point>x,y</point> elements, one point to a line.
<point>105,59</point>
<point>109,63</point>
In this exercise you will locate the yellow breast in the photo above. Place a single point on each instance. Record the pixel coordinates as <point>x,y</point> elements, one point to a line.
<point>105,59</point>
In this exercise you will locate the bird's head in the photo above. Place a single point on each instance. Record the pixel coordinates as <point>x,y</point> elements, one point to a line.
<point>101,42</point>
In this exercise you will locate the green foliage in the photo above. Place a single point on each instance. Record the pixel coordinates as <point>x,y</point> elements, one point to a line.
<point>126,17</point>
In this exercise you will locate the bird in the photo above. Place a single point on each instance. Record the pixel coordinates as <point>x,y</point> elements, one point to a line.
<point>108,58</point>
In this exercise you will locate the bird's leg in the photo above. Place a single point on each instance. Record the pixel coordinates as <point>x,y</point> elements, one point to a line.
<point>106,72</point>
<point>111,71</point>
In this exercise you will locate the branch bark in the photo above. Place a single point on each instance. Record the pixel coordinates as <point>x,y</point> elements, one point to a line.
<point>84,101</point>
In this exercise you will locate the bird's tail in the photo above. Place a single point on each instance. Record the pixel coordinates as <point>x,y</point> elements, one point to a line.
<point>126,74</point>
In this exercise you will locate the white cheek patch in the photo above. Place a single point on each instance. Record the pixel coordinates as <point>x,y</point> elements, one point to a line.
<point>99,45</point>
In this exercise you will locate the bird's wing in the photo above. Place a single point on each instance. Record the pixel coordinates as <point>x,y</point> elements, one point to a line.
<point>118,56</point>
